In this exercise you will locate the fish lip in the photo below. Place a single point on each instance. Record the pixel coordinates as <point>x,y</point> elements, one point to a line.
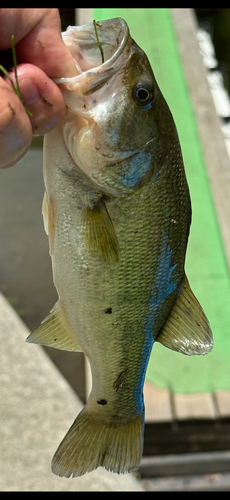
<point>88,81</point>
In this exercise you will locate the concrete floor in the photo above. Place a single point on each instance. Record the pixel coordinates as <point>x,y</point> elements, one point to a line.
<point>25,264</point>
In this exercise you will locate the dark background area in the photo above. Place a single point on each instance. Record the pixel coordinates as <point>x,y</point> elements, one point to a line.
<point>67,18</point>
<point>217,23</point>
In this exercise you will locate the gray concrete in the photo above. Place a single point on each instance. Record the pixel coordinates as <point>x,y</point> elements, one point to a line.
<point>37,406</point>
<point>25,264</point>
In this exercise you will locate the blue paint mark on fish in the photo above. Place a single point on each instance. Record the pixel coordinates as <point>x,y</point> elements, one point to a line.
<point>135,169</point>
<point>138,393</point>
<point>148,106</point>
<point>165,284</point>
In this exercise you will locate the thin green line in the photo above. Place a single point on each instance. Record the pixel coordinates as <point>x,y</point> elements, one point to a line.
<point>15,65</point>
<point>16,88</point>
<point>98,41</point>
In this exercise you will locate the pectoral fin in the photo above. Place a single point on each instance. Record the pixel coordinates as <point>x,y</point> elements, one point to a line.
<point>55,332</point>
<point>187,329</point>
<point>99,233</point>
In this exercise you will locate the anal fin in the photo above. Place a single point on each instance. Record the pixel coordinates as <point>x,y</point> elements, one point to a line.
<point>99,233</point>
<point>55,332</point>
<point>187,329</point>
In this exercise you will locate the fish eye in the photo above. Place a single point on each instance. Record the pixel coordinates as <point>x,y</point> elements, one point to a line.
<point>142,93</point>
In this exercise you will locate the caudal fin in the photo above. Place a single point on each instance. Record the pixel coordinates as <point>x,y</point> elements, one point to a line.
<point>91,443</point>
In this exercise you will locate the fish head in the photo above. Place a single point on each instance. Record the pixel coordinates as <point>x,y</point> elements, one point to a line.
<point>118,125</point>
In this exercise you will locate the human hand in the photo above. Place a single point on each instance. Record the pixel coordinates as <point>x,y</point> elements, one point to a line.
<point>41,56</point>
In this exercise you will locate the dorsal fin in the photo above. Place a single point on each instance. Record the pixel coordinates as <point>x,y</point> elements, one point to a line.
<point>55,332</point>
<point>187,329</point>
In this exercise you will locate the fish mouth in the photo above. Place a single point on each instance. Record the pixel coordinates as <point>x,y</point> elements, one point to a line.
<point>97,81</point>
<point>82,42</point>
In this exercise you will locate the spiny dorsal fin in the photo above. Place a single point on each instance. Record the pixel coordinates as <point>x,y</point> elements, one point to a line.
<point>55,332</point>
<point>187,329</point>
<point>99,233</point>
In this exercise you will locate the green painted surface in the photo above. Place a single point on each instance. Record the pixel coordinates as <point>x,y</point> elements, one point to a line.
<point>206,264</point>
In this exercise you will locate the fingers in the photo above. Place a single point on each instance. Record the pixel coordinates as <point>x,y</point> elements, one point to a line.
<point>44,47</point>
<point>43,55</point>
<point>15,127</point>
<point>18,22</point>
<point>43,99</point>
<point>41,96</point>
<point>38,37</point>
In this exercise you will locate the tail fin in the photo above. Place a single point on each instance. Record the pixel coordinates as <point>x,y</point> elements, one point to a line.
<point>91,443</point>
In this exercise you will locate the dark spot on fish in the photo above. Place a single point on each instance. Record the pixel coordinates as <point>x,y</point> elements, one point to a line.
<point>136,231</point>
<point>106,197</point>
<point>108,310</point>
<point>120,379</point>
<point>55,340</point>
<point>102,402</point>
<point>103,457</point>
<point>198,324</point>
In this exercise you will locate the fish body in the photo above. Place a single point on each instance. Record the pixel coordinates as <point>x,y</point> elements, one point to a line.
<point>117,211</point>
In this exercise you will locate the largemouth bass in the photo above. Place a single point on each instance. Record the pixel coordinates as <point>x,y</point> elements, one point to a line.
<point>117,212</point>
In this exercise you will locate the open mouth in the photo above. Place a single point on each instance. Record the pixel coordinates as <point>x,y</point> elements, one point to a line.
<point>92,148</point>
<point>96,49</point>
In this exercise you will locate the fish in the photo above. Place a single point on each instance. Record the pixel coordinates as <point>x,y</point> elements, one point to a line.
<point>117,212</point>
